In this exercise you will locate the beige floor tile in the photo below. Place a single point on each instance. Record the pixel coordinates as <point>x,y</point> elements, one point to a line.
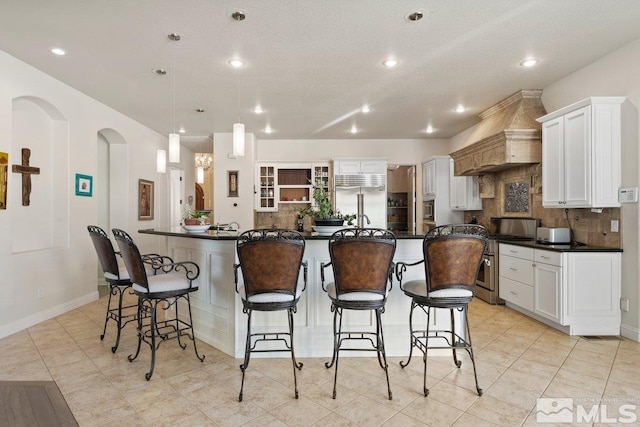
<point>432,412</point>
<point>233,413</point>
<point>266,420</point>
<point>127,421</point>
<point>582,380</point>
<point>299,412</point>
<point>402,420</point>
<point>498,412</point>
<point>167,410</point>
<point>107,411</point>
<point>458,397</point>
<point>468,420</point>
<point>590,368</point>
<point>335,420</point>
<point>364,411</point>
<point>590,356</point>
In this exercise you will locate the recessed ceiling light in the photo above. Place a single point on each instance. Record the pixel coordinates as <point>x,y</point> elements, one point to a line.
<point>268,129</point>
<point>460,109</point>
<point>390,63</point>
<point>258,110</point>
<point>354,129</point>
<point>529,62</point>
<point>414,16</point>
<point>430,129</point>
<point>236,62</point>
<point>181,130</point>
<point>365,109</point>
<point>160,72</point>
<point>58,51</point>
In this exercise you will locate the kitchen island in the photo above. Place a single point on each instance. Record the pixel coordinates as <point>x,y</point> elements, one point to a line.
<point>217,309</point>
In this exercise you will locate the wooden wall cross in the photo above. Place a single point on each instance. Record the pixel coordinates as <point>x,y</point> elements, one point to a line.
<point>26,172</point>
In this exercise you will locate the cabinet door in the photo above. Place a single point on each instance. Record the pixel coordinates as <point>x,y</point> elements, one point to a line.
<point>553,161</point>
<point>266,189</point>
<point>373,166</point>
<point>464,193</point>
<point>577,162</point>
<point>429,178</point>
<point>347,167</point>
<point>547,288</point>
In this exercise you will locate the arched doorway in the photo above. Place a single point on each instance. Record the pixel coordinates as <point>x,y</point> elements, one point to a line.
<point>199,197</point>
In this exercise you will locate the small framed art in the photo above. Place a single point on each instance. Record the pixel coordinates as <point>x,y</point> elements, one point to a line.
<point>232,183</point>
<point>145,199</point>
<point>84,185</point>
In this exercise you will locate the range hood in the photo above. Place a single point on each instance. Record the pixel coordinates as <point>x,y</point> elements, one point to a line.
<point>508,136</point>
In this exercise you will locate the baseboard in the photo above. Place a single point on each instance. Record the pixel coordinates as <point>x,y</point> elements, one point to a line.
<point>50,313</point>
<point>630,332</point>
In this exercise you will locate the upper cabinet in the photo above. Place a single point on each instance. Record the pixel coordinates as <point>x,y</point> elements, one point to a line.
<point>359,166</point>
<point>581,154</point>
<point>429,178</point>
<point>288,183</point>
<point>464,192</point>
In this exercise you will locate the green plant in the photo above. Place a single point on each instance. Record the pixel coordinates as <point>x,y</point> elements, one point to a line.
<point>323,208</point>
<point>190,213</point>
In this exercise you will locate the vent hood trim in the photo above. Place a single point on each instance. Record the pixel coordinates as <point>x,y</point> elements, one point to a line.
<point>508,136</point>
<point>361,180</point>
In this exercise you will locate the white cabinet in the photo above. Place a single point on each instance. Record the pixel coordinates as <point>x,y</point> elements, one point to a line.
<point>266,190</point>
<point>287,183</point>
<point>547,285</point>
<point>359,166</point>
<point>464,192</point>
<point>580,290</point>
<point>429,178</point>
<point>581,154</point>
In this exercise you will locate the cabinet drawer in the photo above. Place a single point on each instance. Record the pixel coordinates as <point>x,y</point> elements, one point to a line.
<point>548,257</point>
<point>516,251</point>
<point>516,293</point>
<point>516,269</point>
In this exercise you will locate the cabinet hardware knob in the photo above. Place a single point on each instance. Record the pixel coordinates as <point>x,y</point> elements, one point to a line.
<point>513,293</point>
<point>513,269</point>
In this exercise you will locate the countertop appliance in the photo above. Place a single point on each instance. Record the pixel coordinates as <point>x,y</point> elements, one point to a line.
<point>487,285</point>
<point>549,235</point>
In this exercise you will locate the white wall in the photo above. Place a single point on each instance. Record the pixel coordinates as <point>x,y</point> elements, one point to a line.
<point>613,75</point>
<point>66,274</point>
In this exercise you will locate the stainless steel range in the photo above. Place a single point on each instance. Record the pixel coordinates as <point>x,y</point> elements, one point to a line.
<point>502,229</point>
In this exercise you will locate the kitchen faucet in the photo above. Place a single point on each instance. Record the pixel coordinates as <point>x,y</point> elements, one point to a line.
<point>361,220</point>
<point>229,228</point>
<point>360,215</point>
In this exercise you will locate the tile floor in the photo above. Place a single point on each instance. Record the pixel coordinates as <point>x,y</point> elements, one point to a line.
<point>518,360</point>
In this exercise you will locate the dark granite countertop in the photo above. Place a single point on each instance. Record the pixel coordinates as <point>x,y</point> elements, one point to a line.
<point>232,235</point>
<point>560,248</point>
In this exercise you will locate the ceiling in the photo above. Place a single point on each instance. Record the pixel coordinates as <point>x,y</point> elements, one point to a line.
<point>311,65</point>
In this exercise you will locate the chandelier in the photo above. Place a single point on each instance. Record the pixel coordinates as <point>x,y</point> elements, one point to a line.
<point>204,162</point>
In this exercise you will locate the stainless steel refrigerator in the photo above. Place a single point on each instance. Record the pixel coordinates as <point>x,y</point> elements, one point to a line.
<point>372,187</point>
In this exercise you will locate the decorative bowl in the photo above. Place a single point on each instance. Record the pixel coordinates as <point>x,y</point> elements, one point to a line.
<point>328,230</point>
<point>196,228</point>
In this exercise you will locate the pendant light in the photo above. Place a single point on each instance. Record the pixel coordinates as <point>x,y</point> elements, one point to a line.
<point>161,161</point>
<point>174,138</point>
<point>238,128</point>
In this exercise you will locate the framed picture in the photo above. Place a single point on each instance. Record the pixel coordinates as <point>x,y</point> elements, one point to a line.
<point>84,185</point>
<point>145,199</point>
<point>232,183</point>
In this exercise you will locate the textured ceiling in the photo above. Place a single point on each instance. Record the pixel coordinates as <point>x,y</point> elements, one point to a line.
<point>312,64</point>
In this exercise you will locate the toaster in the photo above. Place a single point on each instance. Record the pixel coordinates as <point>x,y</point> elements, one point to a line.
<point>550,235</point>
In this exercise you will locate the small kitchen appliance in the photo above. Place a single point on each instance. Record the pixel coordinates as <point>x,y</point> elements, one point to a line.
<point>553,236</point>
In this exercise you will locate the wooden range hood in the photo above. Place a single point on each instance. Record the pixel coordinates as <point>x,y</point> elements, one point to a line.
<point>508,136</point>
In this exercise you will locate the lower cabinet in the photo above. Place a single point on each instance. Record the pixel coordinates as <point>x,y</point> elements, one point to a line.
<point>578,290</point>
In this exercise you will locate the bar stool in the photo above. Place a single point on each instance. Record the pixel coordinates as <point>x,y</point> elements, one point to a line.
<point>452,259</point>
<point>174,282</point>
<point>362,263</point>
<point>118,279</point>
<point>270,262</point>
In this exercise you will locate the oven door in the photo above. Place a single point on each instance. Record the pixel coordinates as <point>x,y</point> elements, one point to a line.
<point>486,273</point>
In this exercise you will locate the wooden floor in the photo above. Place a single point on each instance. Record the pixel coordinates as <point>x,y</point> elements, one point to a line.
<point>33,403</point>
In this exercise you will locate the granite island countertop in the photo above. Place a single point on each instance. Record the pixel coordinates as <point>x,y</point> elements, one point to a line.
<point>232,235</point>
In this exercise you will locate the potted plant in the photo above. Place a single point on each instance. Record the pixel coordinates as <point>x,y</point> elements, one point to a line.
<point>322,211</point>
<point>194,217</point>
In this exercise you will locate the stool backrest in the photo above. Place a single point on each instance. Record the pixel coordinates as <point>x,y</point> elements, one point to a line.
<point>362,259</point>
<point>104,249</point>
<point>270,260</point>
<point>453,256</point>
<point>131,257</point>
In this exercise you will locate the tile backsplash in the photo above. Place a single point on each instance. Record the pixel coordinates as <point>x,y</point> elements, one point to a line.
<point>588,227</point>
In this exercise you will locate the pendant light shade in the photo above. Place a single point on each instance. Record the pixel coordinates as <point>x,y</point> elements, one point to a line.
<point>238,139</point>
<point>161,161</point>
<point>174,148</point>
<point>200,175</point>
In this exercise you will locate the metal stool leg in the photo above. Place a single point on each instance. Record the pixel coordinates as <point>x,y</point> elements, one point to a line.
<point>154,309</point>
<point>457,362</point>
<point>337,349</point>
<point>293,355</point>
<point>335,339</point>
<point>411,338</point>
<point>424,356</point>
<point>470,351</point>
<point>132,357</point>
<point>381,349</point>
<point>193,335</point>
<point>247,353</point>
<point>106,317</point>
